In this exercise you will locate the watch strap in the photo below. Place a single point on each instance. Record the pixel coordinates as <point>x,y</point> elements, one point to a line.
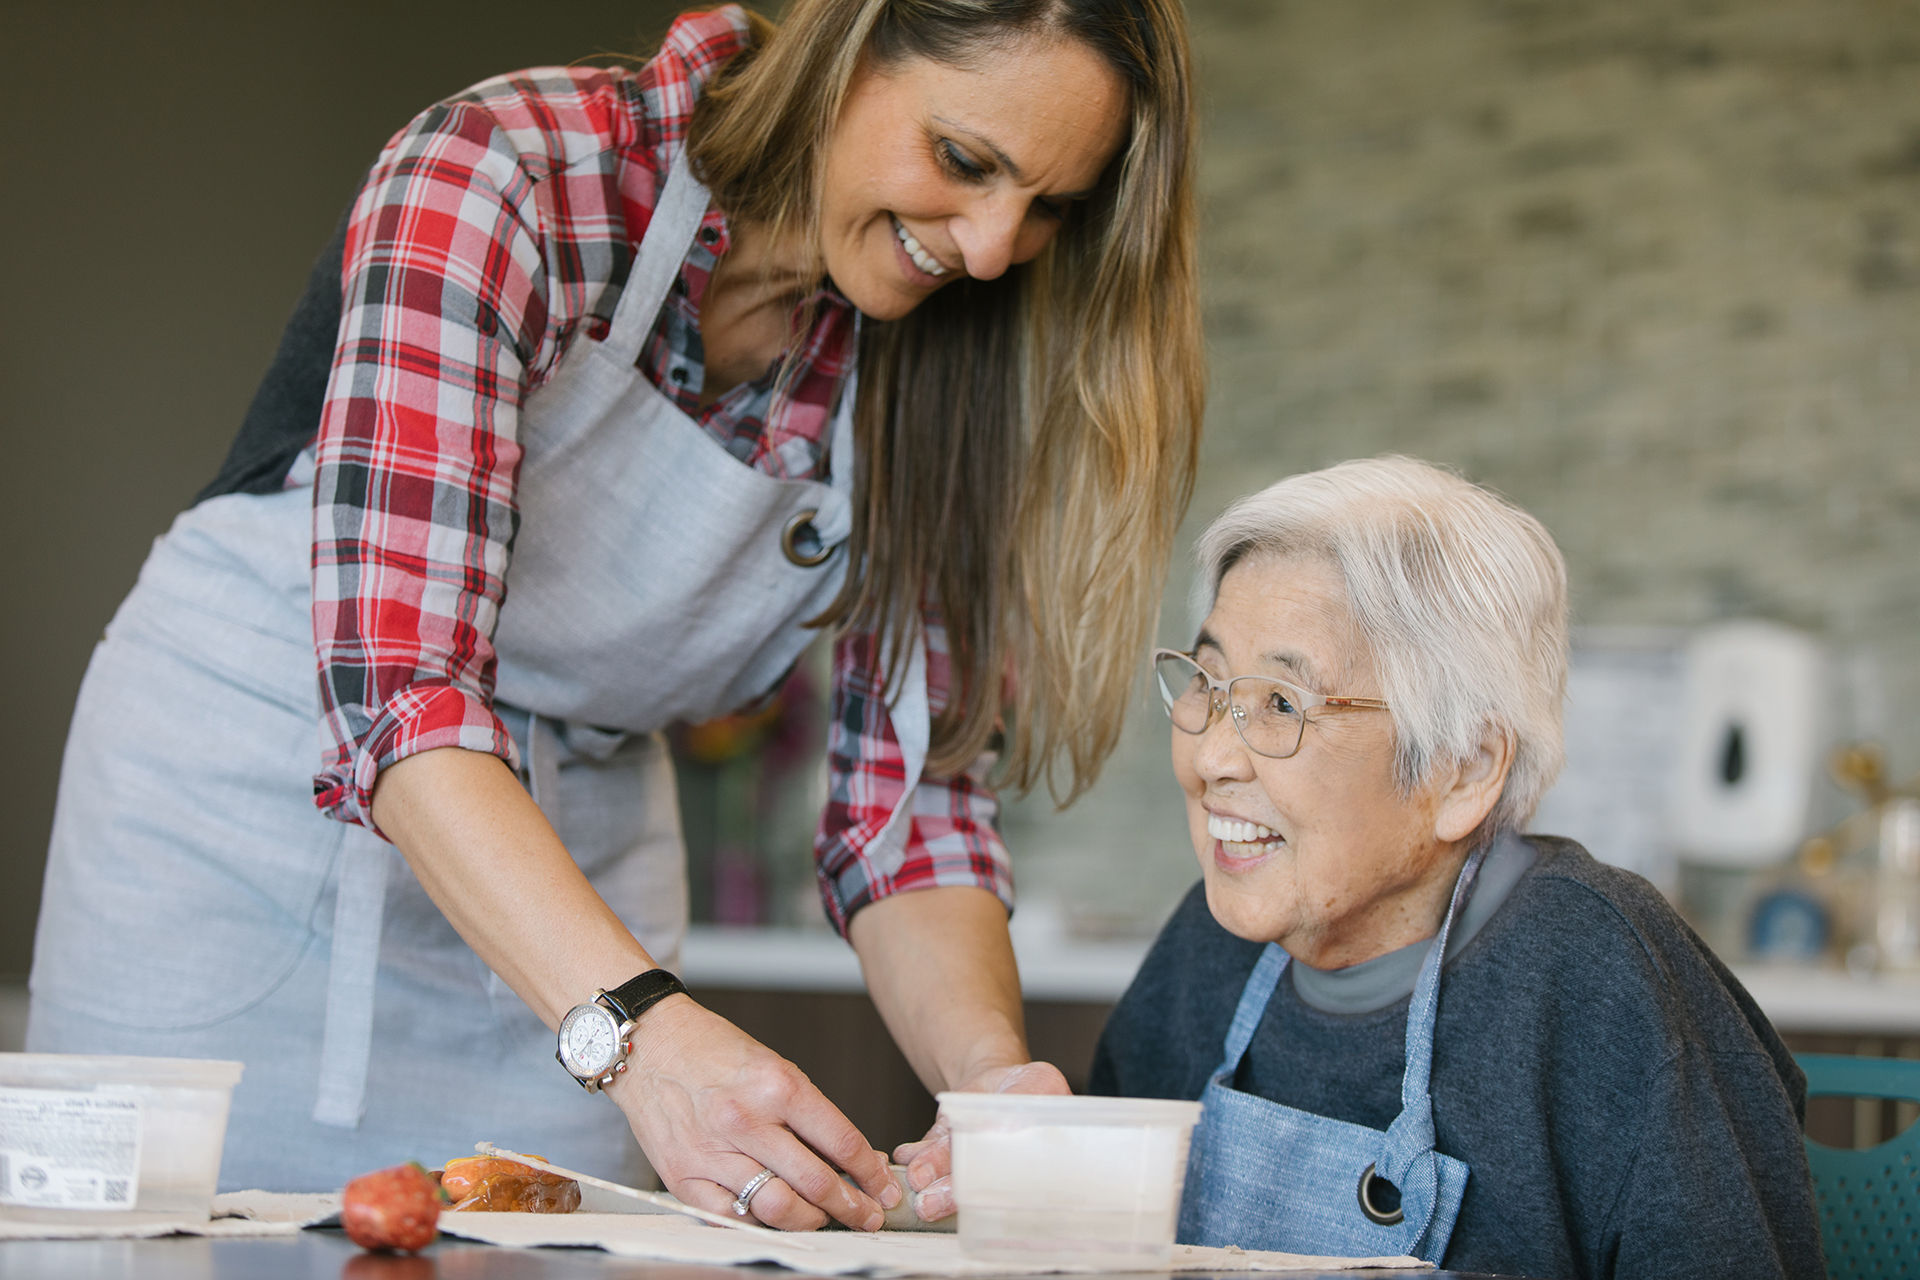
<point>638,994</point>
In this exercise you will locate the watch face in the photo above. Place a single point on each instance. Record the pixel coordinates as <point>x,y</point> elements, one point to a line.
<point>587,1040</point>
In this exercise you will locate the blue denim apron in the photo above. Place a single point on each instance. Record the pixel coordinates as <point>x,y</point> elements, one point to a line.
<point>197,905</point>
<point>1265,1176</point>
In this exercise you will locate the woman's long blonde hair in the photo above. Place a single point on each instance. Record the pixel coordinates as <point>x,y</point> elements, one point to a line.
<point>1027,444</point>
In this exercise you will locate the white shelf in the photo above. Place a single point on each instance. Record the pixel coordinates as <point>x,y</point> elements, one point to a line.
<point>815,960</point>
<point>1828,1000</point>
<point>1812,1000</point>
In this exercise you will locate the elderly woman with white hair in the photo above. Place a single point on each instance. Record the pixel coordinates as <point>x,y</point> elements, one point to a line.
<point>1368,716</point>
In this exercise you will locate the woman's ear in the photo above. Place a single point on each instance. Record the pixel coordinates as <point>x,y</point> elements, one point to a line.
<point>1477,783</point>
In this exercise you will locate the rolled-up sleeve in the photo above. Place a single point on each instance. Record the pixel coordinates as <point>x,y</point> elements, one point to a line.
<point>953,837</point>
<point>417,454</point>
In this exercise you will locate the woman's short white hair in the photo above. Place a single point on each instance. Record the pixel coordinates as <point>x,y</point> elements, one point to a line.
<point>1461,596</point>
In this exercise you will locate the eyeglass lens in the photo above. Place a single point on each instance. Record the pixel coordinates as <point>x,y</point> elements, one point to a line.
<point>1264,711</point>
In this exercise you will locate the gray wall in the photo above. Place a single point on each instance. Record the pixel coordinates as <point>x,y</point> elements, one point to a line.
<point>1652,269</point>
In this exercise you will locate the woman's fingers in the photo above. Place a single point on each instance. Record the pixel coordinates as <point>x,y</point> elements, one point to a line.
<point>930,1171</point>
<point>930,1161</point>
<point>711,1107</point>
<point>774,1204</point>
<point>817,1123</point>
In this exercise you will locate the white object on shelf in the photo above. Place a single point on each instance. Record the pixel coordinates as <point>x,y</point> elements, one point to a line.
<point>1896,921</point>
<point>1753,730</point>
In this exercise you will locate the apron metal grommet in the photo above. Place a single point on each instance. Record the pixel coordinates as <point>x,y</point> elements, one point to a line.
<point>1374,1214</point>
<point>801,541</point>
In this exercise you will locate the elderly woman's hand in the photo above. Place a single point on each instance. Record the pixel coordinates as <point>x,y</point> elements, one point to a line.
<point>712,1107</point>
<point>930,1161</point>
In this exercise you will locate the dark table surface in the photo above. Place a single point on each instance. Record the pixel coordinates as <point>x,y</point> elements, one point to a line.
<point>328,1254</point>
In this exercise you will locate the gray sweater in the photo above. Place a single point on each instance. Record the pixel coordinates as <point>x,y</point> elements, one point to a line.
<point>1624,1107</point>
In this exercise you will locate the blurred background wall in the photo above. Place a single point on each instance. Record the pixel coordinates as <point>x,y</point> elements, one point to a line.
<point>1652,269</point>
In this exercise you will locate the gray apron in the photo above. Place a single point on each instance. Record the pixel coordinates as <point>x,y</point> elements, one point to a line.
<point>1265,1176</point>
<point>197,905</point>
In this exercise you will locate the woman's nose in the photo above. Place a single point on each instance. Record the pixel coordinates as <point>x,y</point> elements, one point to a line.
<point>994,234</point>
<point>1220,752</point>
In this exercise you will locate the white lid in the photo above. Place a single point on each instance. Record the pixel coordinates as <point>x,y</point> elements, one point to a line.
<point>1064,1109</point>
<point>80,1070</point>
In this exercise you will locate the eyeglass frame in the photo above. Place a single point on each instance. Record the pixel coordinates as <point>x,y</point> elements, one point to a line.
<point>1220,702</point>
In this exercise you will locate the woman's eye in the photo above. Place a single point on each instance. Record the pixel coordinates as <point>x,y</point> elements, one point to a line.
<point>1279,704</point>
<point>958,162</point>
<point>1055,209</point>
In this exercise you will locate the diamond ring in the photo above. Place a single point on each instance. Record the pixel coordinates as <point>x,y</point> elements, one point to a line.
<point>745,1197</point>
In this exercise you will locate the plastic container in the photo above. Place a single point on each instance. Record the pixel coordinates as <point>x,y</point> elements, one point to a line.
<point>90,1135</point>
<point>1097,1180</point>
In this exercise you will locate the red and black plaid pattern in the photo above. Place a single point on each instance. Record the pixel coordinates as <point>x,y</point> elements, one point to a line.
<point>953,839</point>
<point>493,231</point>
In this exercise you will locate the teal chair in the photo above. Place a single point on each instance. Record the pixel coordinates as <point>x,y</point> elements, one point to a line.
<point>1869,1200</point>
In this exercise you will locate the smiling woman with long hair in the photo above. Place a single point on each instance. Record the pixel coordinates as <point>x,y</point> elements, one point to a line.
<point>879,322</point>
<point>1020,458</point>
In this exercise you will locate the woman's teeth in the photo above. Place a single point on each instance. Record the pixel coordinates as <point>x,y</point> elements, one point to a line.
<point>921,258</point>
<point>1251,836</point>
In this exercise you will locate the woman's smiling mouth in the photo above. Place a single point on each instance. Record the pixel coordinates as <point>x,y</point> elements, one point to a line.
<point>926,262</point>
<point>1240,841</point>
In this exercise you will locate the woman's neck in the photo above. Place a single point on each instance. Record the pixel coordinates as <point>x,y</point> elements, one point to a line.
<point>746,315</point>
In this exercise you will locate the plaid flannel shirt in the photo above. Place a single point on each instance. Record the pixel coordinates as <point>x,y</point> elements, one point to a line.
<point>491,235</point>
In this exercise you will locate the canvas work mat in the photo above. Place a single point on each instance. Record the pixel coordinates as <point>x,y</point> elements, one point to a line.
<point>241,1213</point>
<point>665,1238</point>
<point>659,1236</point>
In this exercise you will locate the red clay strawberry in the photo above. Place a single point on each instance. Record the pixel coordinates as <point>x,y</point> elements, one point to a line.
<point>397,1208</point>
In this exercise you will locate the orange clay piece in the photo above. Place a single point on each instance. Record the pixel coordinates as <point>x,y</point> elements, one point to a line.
<point>506,1186</point>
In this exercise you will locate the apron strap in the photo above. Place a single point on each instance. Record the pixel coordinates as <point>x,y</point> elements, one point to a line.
<point>835,522</point>
<point>1407,1156</point>
<point>1254,998</point>
<point>676,217</point>
<point>543,764</point>
<point>346,1044</point>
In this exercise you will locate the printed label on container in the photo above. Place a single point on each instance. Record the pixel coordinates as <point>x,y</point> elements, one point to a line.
<point>67,1150</point>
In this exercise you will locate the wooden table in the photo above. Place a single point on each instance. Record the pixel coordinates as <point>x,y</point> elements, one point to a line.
<point>327,1255</point>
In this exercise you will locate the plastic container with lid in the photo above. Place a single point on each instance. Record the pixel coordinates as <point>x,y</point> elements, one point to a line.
<point>86,1134</point>
<point>1097,1180</point>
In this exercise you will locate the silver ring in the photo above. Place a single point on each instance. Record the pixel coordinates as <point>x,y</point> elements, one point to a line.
<point>741,1201</point>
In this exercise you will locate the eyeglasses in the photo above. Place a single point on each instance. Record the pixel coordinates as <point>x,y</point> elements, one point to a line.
<point>1269,715</point>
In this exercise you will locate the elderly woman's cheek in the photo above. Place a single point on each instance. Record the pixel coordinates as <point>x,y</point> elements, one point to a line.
<point>1193,789</point>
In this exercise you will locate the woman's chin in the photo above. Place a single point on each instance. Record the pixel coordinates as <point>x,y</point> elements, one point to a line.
<point>886,289</point>
<point>1244,914</point>
<point>879,303</point>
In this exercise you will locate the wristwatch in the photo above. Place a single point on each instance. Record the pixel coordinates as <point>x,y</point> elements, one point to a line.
<point>596,1037</point>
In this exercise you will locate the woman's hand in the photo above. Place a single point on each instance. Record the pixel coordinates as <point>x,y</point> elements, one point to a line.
<point>709,1104</point>
<point>930,1161</point>
<point>711,1107</point>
